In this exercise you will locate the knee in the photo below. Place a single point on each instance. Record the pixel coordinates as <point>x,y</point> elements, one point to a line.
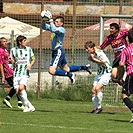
<point>93,91</point>
<point>51,71</point>
<point>124,96</point>
<point>113,75</point>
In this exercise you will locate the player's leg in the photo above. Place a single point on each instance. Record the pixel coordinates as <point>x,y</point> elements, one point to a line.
<point>94,95</point>
<point>79,68</point>
<point>114,73</point>
<point>99,94</point>
<point>28,107</point>
<point>6,101</point>
<point>117,72</point>
<point>126,91</point>
<point>68,73</point>
<point>58,60</point>
<point>121,72</point>
<point>103,81</point>
<point>94,100</point>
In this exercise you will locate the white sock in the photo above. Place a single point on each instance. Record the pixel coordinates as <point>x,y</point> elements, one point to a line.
<point>100,97</point>
<point>94,101</point>
<point>23,96</point>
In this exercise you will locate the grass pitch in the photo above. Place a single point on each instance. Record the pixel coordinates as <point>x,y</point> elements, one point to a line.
<point>55,116</point>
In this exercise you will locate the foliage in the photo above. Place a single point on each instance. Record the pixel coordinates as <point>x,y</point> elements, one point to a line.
<point>80,91</point>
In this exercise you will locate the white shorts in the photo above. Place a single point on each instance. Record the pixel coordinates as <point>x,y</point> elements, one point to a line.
<point>102,78</point>
<point>20,80</point>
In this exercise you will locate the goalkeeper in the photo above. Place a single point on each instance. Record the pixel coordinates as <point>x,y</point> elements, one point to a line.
<point>58,53</point>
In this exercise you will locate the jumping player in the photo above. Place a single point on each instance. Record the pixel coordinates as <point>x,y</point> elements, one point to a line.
<point>58,54</point>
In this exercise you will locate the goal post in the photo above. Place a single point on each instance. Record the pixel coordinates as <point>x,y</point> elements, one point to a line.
<point>102,17</point>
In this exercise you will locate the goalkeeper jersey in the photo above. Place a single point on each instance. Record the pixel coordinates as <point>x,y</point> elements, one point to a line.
<point>22,59</point>
<point>57,35</point>
<point>102,69</point>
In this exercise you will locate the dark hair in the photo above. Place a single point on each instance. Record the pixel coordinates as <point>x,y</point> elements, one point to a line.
<point>117,27</point>
<point>1,39</point>
<point>19,39</point>
<point>130,35</point>
<point>61,18</point>
<point>89,44</point>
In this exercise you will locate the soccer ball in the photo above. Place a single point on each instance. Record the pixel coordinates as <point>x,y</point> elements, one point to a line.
<point>45,19</point>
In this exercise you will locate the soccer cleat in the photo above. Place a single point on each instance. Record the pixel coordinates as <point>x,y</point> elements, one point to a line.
<point>32,109</point>
<point>88,68</point>
<point>7,103</point>
<point>93,111</point>
<point>26,109</point>
<point>72,78</point>
<point>97,111</point>
<point>131,121</point>
<point>21,107</point>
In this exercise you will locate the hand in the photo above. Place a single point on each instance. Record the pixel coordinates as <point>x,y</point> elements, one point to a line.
<point>46,15</point>
<point>28,67</point>
<point>3,80</point>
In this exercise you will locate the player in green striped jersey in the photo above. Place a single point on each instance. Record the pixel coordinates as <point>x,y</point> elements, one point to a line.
<point>23,58</point>
<point>103,74</point>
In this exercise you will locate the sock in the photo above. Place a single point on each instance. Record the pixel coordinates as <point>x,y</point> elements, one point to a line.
<point>77,68</point>
<point>60,72</point>
<point>94,101</point>
<point>19,100</point>
<point>11,93</point>
<point>23,96</point>
<point>128,103</point>
<point>100,97</point>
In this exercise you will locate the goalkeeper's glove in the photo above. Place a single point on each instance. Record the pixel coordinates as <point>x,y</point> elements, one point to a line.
<point>46,15</point>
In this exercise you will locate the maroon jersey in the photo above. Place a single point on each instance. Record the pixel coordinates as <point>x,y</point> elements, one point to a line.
<point>4,56</point>
<point>127,58</point>
<point>118,42</point>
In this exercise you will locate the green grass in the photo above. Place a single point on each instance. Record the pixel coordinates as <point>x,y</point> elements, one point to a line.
<point>55,116</point>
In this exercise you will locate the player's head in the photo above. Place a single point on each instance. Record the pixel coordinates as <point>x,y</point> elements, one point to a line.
<point>89,47</point>
<point>59,21</point>
<point>3,42</point>
<point>21,40</point>
<point>130,35</point>
<point>114,28</point>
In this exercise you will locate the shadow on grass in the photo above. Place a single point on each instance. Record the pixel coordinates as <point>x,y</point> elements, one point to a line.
<point>118,120</point>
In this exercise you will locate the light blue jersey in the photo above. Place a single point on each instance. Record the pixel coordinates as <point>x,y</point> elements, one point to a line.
<point>56,36</point>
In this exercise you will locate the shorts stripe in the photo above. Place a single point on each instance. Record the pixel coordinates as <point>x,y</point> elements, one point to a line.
<point>55,63</point>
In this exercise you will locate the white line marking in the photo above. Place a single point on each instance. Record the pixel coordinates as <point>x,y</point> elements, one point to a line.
<point>61,127</point>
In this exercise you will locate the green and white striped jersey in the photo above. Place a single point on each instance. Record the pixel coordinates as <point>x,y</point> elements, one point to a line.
<point>22,59</point>
<point>100,55</point>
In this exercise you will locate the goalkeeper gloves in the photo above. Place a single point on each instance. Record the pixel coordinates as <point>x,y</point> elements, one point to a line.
<point>46,15</point>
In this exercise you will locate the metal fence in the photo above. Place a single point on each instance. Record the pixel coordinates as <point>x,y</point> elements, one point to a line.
<point>23,17</point>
